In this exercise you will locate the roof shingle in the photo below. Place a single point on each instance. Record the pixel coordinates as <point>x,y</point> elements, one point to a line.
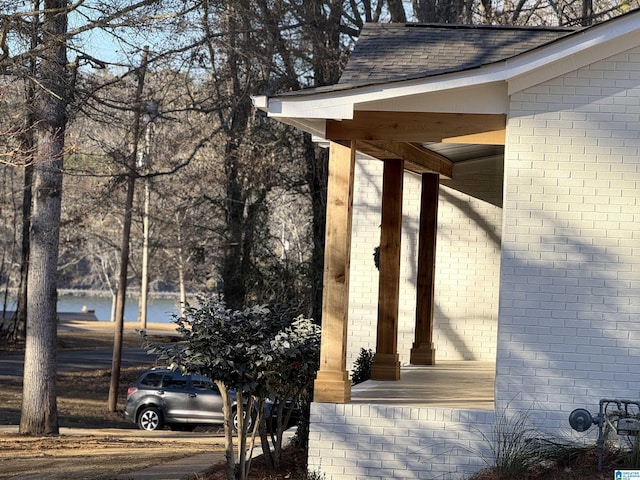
<point>395,52</point>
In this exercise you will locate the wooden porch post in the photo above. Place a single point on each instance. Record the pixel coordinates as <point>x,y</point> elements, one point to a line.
<point>423,351</point>
<point>386,361</point>
<point>332,382</point>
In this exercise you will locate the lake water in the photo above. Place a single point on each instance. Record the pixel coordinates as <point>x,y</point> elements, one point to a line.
<point>159,310</point>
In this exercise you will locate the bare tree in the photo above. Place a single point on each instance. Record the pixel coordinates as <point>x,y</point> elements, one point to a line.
<point>42,56</point>
<point>39,409</point>
<point>124,252</point>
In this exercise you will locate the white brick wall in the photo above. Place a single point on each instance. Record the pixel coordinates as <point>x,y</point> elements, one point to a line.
<point>382,442</point>
<point>467,269</point>
<point>569,329</point>
<point>467,276</point>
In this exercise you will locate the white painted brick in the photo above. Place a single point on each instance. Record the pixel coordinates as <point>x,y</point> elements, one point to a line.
<point>590,246</point>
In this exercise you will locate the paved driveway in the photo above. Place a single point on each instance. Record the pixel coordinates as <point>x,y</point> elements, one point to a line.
<point>78,360</point>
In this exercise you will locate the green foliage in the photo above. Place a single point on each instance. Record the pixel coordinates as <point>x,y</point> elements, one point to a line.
<point>231,346</point>
<point>300,439</point>
<point>362,367</point>
<point>261,353</point>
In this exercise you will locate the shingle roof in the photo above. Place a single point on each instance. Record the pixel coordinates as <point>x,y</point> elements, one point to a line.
<point>395,52</point>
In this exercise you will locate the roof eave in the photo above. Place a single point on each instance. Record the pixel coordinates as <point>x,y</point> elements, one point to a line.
<point>573,52</point>
<point>306,108</point>
<point>339,105</point>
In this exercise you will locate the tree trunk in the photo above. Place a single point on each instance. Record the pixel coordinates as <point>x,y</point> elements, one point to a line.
<point>116,360</point>
<point>228,430</point>
<point>235,270</point>
<point>232,274</point>
<point>181,282</point>
<point>587,13</point>
<point>39,410</point>
<point>396,10</point>
<point>316,177</point>
<point>21,310</point>
<point>28,147</point>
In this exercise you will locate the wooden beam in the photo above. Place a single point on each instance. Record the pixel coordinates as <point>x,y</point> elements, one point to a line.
<point>415,127</point>
<point>496,137</point>
<point>332,382</point>
<point>417,158</point>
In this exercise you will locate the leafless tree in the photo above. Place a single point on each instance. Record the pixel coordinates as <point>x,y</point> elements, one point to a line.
<point>39,410</point>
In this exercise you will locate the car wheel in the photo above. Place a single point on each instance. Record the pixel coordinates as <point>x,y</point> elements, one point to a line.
<point>150,419</point>
<point>236,418</point>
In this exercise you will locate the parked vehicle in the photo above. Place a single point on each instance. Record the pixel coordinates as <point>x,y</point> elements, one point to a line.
<point>162,397</point>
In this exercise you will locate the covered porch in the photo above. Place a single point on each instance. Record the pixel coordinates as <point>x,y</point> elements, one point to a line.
<point>397,155</point>
<point>421,98</point>
<point>449,132</point>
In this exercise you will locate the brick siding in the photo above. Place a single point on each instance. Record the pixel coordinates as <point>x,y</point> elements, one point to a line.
<point>377,442</point>
<point>569,330</point>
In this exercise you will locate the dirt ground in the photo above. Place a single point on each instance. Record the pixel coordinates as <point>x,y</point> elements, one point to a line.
<point>100,445</point>
<point>100,456</point>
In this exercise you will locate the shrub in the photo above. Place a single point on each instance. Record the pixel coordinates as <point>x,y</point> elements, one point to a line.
<point>362,367</point>
<point>514,446</point>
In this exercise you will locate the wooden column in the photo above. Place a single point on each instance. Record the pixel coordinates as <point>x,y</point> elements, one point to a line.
<point>386,362</point>
<point>423,351</point>
<point>332,382</point>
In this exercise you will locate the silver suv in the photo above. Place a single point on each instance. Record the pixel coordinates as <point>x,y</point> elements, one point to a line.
<point>162,397</point>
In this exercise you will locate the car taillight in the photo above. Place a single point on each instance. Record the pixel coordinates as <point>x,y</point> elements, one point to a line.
<point>131,390</point>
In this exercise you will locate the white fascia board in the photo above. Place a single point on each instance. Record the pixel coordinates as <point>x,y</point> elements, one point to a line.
<point>261,102</point>
<point>341,105</point>
<point>314,126</point>
<point>334,105</point>
<point>570,54</point>
<point>488,98</point>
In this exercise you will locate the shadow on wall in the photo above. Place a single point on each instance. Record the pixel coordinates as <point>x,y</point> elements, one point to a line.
<point>367,218</point>
<point>569,330</point>
<point>466,208</point>
<point>434,443</point>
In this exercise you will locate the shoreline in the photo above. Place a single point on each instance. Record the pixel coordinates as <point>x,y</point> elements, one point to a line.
<point>105,326</point>
<point>72,292</point>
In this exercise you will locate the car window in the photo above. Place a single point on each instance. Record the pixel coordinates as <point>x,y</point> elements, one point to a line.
<point>152,379</point>
<point>175,381</point>
<point>200,382</point>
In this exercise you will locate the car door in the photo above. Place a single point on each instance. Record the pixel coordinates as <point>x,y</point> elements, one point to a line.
<point>205,401</point>
<point>175,395</point>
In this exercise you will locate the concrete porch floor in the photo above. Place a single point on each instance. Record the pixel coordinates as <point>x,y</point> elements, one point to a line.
<point>461,384</point>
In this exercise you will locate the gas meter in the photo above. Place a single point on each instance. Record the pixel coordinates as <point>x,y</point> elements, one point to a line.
<point>622,416</point>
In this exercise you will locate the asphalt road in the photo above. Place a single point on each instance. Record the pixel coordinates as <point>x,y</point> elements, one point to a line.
<point>78,360</point>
